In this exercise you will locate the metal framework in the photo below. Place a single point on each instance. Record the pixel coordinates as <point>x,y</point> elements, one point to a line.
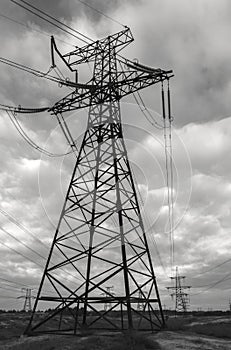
<point>141,303</point>
<point>100,238</point>
<point>181,298</point>
<point>28,296</point>
<point>107,295</point>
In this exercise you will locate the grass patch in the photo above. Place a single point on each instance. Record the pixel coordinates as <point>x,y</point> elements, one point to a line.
<point>127,341</point>
<point>220,330</point>
<point>178,323</point>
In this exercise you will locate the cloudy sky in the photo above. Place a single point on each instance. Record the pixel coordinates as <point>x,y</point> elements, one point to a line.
<point>190,37</point>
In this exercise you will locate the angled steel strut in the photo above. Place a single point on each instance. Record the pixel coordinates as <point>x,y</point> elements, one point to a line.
<point>100,238</point>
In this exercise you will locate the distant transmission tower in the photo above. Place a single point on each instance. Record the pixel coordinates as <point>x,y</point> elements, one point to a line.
<point>28,297</point>
<point>141,300</point>
<point>100,238</point>
<point>107,295</point>
<point>181,298</point>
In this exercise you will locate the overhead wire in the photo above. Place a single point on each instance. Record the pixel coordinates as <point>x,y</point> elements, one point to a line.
<point>101,13</point>
<point>49,21</point>
<point>223,279</point>
<point>33,29</point>
<point>22,243</point>
<point>7,297</point>
<point>11,289</point>
<point>33,261</point>
<point>170,119</point>
<point>13,220</point>
<point>56,20</point>
<point>167,174</point>
<point>34,72</point>
<point>21,254</point>
<point>24,67</point>
<point>150,117</point>
<point>24,135</point>
<point>153,122</point>
<point>214,267</point>
<point>13,282</point>
<point>148,222</point>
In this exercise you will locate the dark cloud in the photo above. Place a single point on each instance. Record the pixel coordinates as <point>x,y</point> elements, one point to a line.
<point>68,11</point>
<point>192,38</point>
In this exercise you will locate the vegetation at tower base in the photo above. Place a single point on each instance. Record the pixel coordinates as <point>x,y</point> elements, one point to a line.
<point>200,330</point>
<point>100,238</point>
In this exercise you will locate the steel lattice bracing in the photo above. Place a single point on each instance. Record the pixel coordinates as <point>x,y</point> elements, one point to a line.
<point>100,238</point>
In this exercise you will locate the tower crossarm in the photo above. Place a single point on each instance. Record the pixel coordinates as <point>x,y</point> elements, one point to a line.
<point>127,82</point>
<point>88,52</point>
<point>113,78</point>
<point>78,99</point>
<point>181,287</point>
<point>137,77</point>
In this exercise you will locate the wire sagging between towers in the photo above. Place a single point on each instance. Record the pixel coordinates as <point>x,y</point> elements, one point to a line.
<point>167,120</point>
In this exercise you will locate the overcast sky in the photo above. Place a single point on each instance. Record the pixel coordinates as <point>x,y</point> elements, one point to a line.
<point>190,37</point>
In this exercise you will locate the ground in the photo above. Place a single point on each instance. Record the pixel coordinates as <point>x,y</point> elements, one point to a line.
<point>190,333</point>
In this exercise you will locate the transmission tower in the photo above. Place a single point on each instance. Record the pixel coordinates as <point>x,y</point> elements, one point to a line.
<point>107,295</point>
<point>100,237</point>
<point>141,300</point>
<point>28,296</point>
<point>181,298</point>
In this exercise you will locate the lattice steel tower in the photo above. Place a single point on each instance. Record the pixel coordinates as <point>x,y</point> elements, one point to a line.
<point>28,296</point>
<point>100,238</point>
<point>181,298</point>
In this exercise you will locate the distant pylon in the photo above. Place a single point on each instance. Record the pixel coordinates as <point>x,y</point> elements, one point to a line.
<point>108,293</point>
<point>141,300</point>
<point>181,298</point>
<point>28,296</point>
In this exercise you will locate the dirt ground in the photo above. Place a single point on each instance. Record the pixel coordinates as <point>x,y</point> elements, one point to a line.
<point>190,341</point>
<point>166,341</point>
<point>203,333</point>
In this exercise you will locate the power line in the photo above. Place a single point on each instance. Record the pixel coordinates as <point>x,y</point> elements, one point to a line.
<point>170,119</point>
<point>24,244</point>
<point>214,267</point>
<point>24,256</point>
<point>17,283</point>
<point>56,20</point>
<point>145,109</point>
<point>52,23</point>
<point>38,74</point>
<point>33,71</point>
<point>21,131</point>
<point>213,284</point>
<point>141,104</point>
<point>101,13</point>
<point>34,262</point>
<point>33,29</point>
<point>148,222</point>
<point>13,220</point>
<point>167,178</point>
<point>7,297</point>
<point>153,122</point>
<point>11,288</point>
